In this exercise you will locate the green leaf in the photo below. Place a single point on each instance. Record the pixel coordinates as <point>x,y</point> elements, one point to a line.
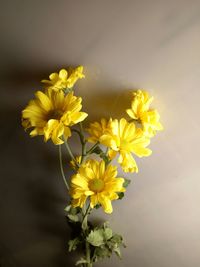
<point>73,218</point>
<point>74,211</point>
<point>126,182</point>
<point>95,238</point>
<point>120,195</point>
<point>81,261</point>
<point>107,233</point>
<point>67,209</point>
<point>73,244</point>
<point>102,252</point>
<point>118,252</point>
<point>117,239</point>
<point>97,206</point>
<point>84,224</point>
<point>71,210</point>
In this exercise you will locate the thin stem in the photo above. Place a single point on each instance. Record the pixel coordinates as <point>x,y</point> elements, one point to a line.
<point>87,245</point>
<point>85,215</point>
<point>79,134</point>
<point>61,167</point>
<point>83,143</point>
<point>92,148</point>
<point>70,153</point>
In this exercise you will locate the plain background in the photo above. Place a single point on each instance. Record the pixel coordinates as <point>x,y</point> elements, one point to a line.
<point>123,45</point>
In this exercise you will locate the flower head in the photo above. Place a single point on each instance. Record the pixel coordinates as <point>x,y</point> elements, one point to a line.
<point>52,113</point>
<point>97,129</point>
<point>98,182</point>
<point>140,111</point>
<point>64,79</point>
<point>125,139</point>
<point>74,162</point>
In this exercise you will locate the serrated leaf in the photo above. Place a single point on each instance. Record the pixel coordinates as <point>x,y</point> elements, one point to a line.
<point>102,252</point>
<point>73,218</point>
<point>117,239</point>
<point>107,233</point>
<point>71,210</point>
<point>118,252</point>
<point>73,244</point>
<point>126,182</point>
<point>67,209</point>
<point>95,238</point>
<point>74,211</point>
<point>81,261</point>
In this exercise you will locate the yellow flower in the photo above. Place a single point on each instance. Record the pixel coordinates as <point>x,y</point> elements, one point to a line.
<point>63,79</point>
<point>97,129</point>
<point>140,111</point>
<point>74,75</point>
<point>73,163</point>
<point>98,182</point>
<point>51,114</point>
<point>125,139</point>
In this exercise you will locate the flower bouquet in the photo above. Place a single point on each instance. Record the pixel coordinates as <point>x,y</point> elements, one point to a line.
<point>56,113</point>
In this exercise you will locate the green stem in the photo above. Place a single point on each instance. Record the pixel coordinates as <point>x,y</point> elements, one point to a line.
<point>70,153</point>
<point>79,134</point>
<point>61,167</point>
<point>92,148</point>
<point>83,143</point>
<point>87,245</point>
<point>85,216</point>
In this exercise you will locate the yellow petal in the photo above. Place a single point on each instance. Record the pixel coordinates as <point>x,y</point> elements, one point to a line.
<point>57,133</point>
<point>131,114</point>
<point>50,126</point>
<point>78,117</point>
<point>67,132</point>
<point>44,100</point>
<point>112,154</point>
<point>63,74</point>
<point>53,76</point>
<point>93,200</point>
<point>106,203</point>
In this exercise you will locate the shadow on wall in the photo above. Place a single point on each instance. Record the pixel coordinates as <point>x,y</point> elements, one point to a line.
<point>33,227</point>
<point>107,102</point>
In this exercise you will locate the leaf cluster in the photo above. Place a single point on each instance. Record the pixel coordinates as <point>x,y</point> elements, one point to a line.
<point>102,241</point>
<point>73,214</point>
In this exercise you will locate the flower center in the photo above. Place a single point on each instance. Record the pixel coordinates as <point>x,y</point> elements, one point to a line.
<point>96,185</point>
<point>55,114</point>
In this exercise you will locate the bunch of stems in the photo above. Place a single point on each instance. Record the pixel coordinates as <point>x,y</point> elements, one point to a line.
<point>86,209</point>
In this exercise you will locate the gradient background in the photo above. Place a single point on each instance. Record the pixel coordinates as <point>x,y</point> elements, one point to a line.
<point>123,45</point>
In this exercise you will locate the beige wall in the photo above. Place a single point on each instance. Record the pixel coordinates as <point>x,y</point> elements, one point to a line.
<point>123,45</point>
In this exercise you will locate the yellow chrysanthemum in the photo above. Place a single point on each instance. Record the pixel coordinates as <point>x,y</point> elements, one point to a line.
<point>125,139</point>
<point>52,113</point>
<point>97,129</point>
<point>77,160</point>
<point>140,111</point>
<point>64,79</point>
<point>98,182</point>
